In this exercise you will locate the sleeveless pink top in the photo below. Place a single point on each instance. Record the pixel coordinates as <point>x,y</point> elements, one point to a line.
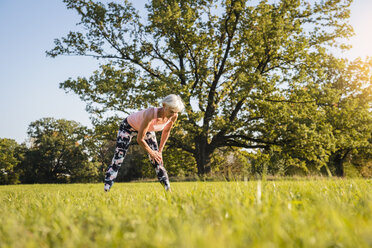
<point>136,119</point>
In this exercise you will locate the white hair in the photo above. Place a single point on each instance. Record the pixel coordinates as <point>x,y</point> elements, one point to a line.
<point>173,101</point>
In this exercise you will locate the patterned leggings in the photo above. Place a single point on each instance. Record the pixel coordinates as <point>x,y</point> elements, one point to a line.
<point>125,134</point>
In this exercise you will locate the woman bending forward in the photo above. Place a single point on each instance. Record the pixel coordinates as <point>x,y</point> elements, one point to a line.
<point>144,124</point>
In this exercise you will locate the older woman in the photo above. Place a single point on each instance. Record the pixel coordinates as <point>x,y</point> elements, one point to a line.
<point>144,124</point>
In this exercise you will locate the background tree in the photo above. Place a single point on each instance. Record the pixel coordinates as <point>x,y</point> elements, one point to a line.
<point>231,164</point>
<point>326,120</point>
<point>234,65</point>
<point>346,100</point>
<point>10,156</point>
<point>101,143</point>
<point>58,153</point>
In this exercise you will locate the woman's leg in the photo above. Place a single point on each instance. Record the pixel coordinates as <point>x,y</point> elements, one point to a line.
<point>159,168</point>
<point>122,144</point>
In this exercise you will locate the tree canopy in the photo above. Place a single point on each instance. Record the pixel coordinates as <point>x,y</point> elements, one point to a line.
<point>251,75</point>
<point>58,153</point>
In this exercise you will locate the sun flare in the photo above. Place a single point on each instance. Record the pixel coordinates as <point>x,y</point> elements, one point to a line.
<point>361,20</point>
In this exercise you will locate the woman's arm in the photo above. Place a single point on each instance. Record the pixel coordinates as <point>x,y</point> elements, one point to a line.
<point>165,133</point>
<point>147,118</point>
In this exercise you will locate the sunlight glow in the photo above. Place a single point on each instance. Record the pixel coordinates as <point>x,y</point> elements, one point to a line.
<point>361,20</point>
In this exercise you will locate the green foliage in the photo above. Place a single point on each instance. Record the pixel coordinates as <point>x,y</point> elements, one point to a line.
<point>363,162</point>
<point>179,163</point>
<point>231,164</point>
<point>58,153</point>
<point>101,144</point>
<point>325,121</point>
<point>348,109</point>
<point>10,156</point>
<point>136,165</point>
<point>320,213</point>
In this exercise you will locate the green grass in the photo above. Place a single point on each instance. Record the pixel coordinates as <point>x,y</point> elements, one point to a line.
<point>318,213</point>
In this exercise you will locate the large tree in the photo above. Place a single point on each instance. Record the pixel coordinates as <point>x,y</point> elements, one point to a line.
<point>326,121</point>
<point>233,63</point>
<point>347,104</point>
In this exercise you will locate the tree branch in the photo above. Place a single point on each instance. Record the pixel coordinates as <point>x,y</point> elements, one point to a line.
<point>181,145</point>
<point>244,137</point>
<point>167,62</point>
<point>101,29</point>
<point>195,67</point>
<point>210,106</point>
<point>243,145</point>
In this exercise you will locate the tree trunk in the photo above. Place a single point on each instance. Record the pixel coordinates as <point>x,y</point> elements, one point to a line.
<point>203,155</point>
<point>339,163</point>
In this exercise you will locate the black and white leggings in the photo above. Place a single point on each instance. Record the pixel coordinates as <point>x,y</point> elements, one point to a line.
<point>125,134</point>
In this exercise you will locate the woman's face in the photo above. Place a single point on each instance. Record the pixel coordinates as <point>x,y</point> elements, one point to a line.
<point>169,112</point>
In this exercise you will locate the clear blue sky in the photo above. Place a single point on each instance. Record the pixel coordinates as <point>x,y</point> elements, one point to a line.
<point>29,81</point>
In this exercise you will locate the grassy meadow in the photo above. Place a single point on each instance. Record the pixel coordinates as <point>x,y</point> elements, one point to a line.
<point>309,213</point>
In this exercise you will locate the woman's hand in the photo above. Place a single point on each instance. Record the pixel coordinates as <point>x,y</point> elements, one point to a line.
<point>157,156</point>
